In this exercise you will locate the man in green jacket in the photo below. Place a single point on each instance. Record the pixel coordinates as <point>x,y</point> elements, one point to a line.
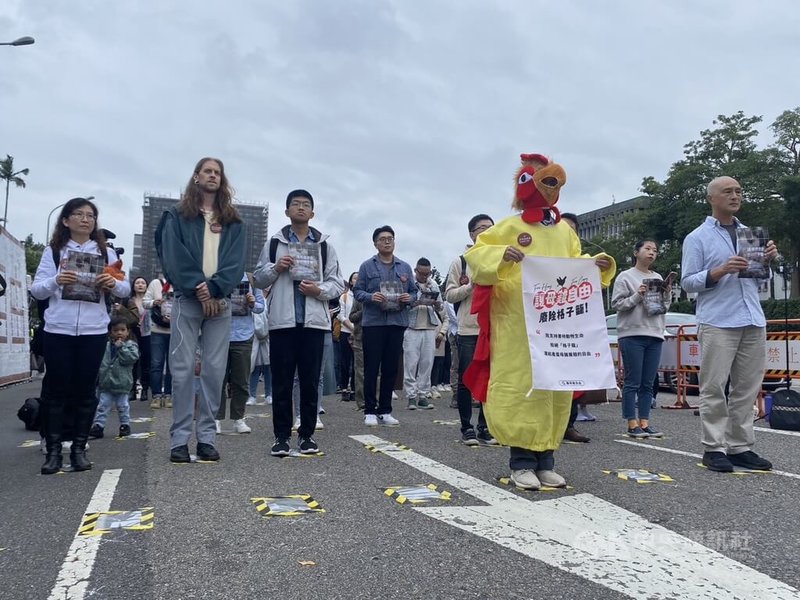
<point>201,245</point>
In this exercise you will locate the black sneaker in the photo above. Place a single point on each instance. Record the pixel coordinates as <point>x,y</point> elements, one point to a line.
<point>468,438</point>
<point>652,432</point>
<point>750,460</point>
<point>485,438</point>
<point>124,430</point>
<point>308,446</point>
<point>96,432</point>
<point>206,452</point>
<point>280,447</point>
<point>717,461</point>
<point>180,454</point>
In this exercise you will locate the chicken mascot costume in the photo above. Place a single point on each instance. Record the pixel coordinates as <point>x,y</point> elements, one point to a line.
<point>531,423</point>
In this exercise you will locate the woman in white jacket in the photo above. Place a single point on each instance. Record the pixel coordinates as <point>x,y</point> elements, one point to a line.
<point>346,373</point>
<point>76,326</point>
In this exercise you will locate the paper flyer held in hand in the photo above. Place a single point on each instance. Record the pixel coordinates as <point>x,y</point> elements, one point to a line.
<point>751,243</point>
<point>239,305</point>
<point>654,296</point>
<point>307,262</point>
<point>87,266</point>
<point>566,324</point>
<point>391,291</point>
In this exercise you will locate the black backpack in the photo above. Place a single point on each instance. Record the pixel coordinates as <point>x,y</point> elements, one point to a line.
<point>29,414</point>
<point>273,247</point>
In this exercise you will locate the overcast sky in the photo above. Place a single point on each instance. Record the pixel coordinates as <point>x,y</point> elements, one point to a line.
<point>406,112</point>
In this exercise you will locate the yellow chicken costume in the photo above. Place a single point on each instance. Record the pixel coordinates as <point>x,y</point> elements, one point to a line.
<point>532,424</point>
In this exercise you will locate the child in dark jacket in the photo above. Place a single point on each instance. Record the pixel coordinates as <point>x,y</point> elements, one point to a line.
<point>116,378</point>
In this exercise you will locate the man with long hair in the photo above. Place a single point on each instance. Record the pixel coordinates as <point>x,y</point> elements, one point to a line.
<point>201,245</point>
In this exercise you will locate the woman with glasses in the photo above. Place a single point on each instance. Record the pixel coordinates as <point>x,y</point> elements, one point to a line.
<point>72,277</point>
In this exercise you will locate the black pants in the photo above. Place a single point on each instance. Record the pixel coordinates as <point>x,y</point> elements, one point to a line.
<point>69,395</point>
<point>383,347</point>
<point>573,413</point>
<point>141,370</point>
<point>345,362</point>
<point>466,350</point>
<point>296,349</point>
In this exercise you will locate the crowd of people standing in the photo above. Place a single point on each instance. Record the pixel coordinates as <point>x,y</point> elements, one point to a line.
<point>200,338</point>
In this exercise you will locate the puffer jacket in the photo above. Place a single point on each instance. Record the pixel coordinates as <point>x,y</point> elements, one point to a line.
<point>116,370</point>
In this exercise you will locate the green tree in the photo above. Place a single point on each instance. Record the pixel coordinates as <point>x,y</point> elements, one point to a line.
<point>787,137</point>
<point>10,176</point>
<point>33,254</point>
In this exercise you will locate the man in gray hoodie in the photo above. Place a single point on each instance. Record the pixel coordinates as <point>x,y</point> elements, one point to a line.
<point>303,270</point>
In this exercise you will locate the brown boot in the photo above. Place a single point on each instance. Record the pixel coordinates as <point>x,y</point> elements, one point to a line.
<point>572,435</point>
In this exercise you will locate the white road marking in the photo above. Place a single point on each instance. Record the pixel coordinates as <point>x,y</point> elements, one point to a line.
<point>73,578</point>
<point>594,539</point>
<point>693,455</point>
<point>780,431</point>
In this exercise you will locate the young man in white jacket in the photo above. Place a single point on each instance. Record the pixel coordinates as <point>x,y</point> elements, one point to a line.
<point>298,317</point>
<point>426,330</point>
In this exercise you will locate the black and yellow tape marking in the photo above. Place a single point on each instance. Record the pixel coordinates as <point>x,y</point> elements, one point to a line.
<point>137,436</point>
<point>286,506</point>
<point>639,475</point>
<point>416,494</point>
<point>388,447</point>
<point>101,523</point>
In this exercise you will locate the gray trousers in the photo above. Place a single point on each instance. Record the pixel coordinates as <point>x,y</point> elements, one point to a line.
<point>188,323</point>
<point>727,426</point>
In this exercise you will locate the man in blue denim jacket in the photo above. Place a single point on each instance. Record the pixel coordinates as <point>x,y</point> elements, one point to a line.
<point>386,289</point>
<point>732,331</point>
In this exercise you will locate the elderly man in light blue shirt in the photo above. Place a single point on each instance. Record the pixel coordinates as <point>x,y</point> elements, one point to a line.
<point>732,331</point>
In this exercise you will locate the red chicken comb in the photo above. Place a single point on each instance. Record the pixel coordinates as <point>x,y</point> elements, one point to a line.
<point>534,158</point>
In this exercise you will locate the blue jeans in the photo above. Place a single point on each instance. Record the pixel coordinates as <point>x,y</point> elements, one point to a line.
<point>159,360</point>
<point>107,400</point>
<point>640,357</point>
<point>258,371</point>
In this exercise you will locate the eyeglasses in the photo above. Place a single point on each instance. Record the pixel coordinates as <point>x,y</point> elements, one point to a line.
<point>82,215</point>
<point>300,204</point>
<point>386,239</point>
<point>480,228</point>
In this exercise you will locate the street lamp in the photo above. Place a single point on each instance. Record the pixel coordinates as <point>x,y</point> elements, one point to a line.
<point>23,41</point>
<point>47,233</point>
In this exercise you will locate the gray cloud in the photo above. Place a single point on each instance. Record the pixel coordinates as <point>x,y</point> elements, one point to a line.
<point>409,112</point>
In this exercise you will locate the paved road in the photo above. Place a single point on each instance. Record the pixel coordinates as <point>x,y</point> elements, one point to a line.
<point>704,535</point>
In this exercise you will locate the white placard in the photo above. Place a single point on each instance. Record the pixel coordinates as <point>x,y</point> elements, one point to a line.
<point>566,324</point>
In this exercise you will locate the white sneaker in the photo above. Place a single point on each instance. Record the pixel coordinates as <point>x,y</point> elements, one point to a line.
<point>435,394</point>
<point>371,420</point>
<point>251,401</point>
<point>219,425</point>
<point>387,420</point>
<point>296,424</point>
<point>394,395</point>
<point>446,387</point>
<point>526,479</point>
<point>269,399</point>
<point>551,479</point>
<point>239,426</point>
<point>319,424</point>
